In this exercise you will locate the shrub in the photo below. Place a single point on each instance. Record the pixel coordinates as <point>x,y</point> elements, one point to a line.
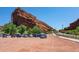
<point>9,28</point>
<point>21,29</point>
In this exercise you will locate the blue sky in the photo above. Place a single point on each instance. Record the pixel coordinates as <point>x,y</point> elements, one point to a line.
<point>53,16</point>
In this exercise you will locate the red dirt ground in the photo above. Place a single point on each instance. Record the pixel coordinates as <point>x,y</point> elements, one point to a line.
<point>50,44</point>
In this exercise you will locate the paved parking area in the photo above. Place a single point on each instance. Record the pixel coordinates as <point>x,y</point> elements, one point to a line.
<point>49,44</point>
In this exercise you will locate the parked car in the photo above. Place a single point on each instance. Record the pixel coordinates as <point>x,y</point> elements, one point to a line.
<point>18,35</point>
<point>36,35</point>
<point>13,35</point>
<point>1,35</point>
<point>43,36</point>
<point>40,35</point>
<point>8,35</point>
<point>4,35</point>
<point>24,35</point>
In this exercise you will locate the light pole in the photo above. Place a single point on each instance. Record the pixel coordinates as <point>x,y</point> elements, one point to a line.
<point>62,27</point>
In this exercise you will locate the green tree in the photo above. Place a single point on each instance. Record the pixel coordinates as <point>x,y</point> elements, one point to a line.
<point>10,28</point>
<point>36,30</point>
<point>77,30</point>
<point>21,29</point>
<point>30,31</point>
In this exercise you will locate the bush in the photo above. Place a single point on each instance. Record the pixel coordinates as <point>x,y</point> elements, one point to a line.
<point>21,29</point>
<point>36,30</point>
<point>9,28</point>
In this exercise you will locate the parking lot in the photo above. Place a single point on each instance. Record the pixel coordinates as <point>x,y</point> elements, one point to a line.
<point>32,44</point>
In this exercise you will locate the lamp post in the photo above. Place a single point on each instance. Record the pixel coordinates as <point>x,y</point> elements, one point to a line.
<point>62,26</point>
<point>62,29</point>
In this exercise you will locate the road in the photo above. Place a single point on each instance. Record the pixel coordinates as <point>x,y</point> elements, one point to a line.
<point>50,44</point>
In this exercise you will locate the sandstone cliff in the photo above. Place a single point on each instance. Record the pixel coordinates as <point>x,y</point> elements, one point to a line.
<point>19,17</point>
<point>74,24</point>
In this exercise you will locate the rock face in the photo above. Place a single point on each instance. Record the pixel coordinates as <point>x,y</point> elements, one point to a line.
<point>74,25</point>
<point>71,26</point>
<point>19,17</point>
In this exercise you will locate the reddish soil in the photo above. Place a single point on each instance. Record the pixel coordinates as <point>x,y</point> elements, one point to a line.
<point>50,44</point>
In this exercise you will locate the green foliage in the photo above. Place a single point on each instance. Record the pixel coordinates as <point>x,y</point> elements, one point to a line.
<point>74,31</point>
<point>71,32</point>
<point>66,28</point>
<point>9,28</point>
<point>21,29</point>
<point>50,32</point>
<point>29,31</point>
<point>34,30</point>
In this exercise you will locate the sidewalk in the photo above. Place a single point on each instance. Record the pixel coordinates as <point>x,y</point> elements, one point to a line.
<point>72,39</point>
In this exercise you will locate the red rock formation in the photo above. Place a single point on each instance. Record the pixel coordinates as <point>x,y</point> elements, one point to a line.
<point>21,17</point>
<point>74,24</point>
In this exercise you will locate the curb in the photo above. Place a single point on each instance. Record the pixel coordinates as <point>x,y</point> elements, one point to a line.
<point>72,39</point>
